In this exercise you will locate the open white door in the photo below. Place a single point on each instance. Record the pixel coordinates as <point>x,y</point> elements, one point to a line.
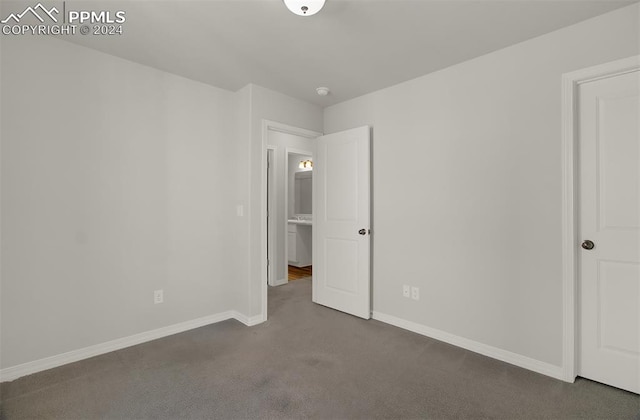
<point>341,222</point>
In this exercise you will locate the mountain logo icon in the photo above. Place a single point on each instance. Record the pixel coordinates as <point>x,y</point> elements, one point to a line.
<point>38,11</point>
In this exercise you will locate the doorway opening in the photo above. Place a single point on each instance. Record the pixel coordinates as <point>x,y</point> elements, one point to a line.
<point>341,218</point>
<point>286,198</point>
<point>299,193</point>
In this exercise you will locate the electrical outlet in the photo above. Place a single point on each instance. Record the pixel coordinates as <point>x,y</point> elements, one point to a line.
<point>415,293</point>
<point>158,296</point>
<point>406,291</point>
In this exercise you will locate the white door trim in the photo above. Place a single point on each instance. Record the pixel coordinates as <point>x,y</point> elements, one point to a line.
<point>271,221</point>
<point>570,83</point>
<point>282,128</point>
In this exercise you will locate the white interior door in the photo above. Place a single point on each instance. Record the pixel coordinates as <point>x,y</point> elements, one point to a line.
<point>609,217</point>
<point>341,222</point>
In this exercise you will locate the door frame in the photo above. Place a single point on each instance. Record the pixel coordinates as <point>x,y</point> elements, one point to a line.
<point>267,126</point>
<point>570,257</point>
<point>271,197</point>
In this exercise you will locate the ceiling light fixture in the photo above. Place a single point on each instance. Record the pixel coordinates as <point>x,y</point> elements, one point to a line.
<point>304,7</point>
<point>323,91</point>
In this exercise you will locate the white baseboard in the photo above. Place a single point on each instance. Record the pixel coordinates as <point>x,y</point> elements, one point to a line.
<point>15,372</point>
<point>280,282</point>
<point>474,346</point>
<point>248,321</point>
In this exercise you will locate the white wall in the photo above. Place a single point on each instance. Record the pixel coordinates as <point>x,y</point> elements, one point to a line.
<point>242,142</point>
<point>474,219</point>
<point>115,182</point>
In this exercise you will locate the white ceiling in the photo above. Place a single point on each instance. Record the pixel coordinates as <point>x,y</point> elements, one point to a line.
<point>352,46</point>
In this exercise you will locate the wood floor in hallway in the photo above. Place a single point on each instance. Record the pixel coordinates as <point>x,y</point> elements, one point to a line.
<point>297,273</point>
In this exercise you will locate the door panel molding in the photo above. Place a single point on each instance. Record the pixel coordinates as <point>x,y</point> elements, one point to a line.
<point>570,84</point>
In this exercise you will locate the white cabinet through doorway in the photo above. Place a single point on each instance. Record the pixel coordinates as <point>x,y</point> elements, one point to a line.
<point>299,239</point>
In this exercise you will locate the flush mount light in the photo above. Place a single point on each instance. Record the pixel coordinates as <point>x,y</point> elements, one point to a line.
<point>304,7</point>
<point>323,91</point>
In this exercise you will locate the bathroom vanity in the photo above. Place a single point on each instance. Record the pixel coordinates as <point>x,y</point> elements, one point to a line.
<point>299,227</point>
<point>299,237</point>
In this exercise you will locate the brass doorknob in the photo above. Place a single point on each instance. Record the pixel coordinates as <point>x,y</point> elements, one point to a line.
<point>587,244</point>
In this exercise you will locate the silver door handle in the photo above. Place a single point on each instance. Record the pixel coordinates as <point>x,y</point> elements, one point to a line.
<point>587,244</point>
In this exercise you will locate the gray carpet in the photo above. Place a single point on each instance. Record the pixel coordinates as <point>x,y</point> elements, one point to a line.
<point>306,361</point>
